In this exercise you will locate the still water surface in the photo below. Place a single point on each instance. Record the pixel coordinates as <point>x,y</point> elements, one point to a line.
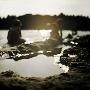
<point>39,66</point>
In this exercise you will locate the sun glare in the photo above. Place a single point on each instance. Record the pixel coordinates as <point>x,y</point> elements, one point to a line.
<point>43,33</point>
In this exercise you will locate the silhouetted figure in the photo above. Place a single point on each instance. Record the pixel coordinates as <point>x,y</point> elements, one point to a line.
<point>55,37</point>
<point>54,34</point>
<point>14,34</point>
<point>56,28</point>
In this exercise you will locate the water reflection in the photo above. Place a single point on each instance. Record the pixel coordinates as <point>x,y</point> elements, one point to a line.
<point>39,66</point>
<point>57,59</point>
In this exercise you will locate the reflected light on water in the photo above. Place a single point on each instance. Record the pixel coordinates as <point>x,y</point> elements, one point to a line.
<point>57,59</point>
<point>19,55</point>
<point>64,68</point>
<point>39,66</point>
<point>44,33</point>
<point>32,53</point>
<point>40,52</point>
<point>28,41</point>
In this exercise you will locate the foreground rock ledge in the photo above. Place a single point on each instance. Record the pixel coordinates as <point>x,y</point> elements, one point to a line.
<point>71,80</point>
<point>77,78</point>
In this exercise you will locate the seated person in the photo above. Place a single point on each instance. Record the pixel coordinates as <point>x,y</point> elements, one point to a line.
<point>54,34</point>
<point>54,38</point>
<point>14,34</point>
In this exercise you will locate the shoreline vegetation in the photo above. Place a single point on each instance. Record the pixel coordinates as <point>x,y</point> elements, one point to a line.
<point>39,22</point>
<point>77,78</point>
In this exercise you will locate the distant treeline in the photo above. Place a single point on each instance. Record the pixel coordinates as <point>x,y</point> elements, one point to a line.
<point>29,21</point>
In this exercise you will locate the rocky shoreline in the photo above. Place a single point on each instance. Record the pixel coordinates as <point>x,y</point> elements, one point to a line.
<point>77,58</point>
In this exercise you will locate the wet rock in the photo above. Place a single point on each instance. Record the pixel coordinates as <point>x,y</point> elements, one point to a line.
<point>7,73</point>
<point>52,52</point>
<point>77,78</point>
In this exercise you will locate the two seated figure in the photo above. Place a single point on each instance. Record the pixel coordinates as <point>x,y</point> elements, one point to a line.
<point>14,34</point>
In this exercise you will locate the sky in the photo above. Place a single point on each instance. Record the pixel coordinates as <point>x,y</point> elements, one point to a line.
<point>44,7</point>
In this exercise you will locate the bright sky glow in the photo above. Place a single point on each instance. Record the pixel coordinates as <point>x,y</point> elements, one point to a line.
<point>44,7</point>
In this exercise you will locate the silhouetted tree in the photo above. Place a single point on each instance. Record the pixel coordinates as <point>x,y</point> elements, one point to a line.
<point>29,21</point>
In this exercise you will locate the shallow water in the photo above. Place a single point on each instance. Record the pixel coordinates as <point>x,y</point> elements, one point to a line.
<point>38,66</point>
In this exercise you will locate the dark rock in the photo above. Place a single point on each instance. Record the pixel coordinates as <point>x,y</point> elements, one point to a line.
<point>7,73</point>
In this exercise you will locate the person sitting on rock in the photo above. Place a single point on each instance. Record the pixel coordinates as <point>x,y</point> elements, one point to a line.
<point>54,34</point>
<point>56,27</point>
<point>14,33</point>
